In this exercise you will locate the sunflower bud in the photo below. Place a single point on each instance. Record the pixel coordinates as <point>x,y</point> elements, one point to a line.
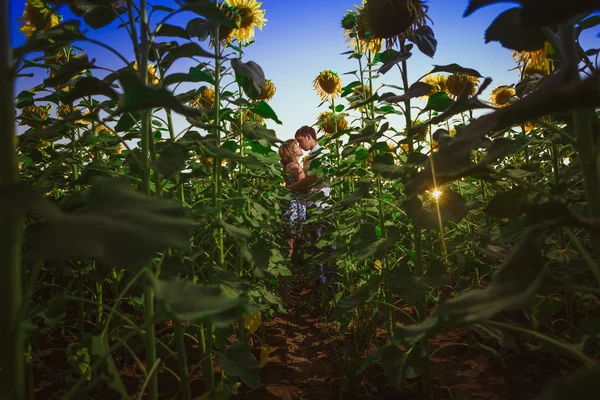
<point>349,20</point>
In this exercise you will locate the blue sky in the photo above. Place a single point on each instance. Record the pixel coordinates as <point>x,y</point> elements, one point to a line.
<point>302,38</point>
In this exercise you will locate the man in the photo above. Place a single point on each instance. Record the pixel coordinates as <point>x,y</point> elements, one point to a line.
<point>307,139</point>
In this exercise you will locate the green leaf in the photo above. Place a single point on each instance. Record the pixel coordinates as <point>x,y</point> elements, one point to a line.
<point>455,68</point>
<point>100,349</point>
<point>514,32</point>
<point>399,366</point>
<point>208,9</point>
<point>390,171</point>
<point>425,40</point>
<point>90,86</point>
<point>390,58</point>
<point>250,75</point>
<point>450,206</point>
<point>79,358</point>
<point>507,204</point>
<point>417,89</point>
<point>172,31</point>
<point>240,362</point>
<point>97,15</point>
<point>577,385</point>
<point>235,231</point>
<point>256,131</point>
<point>364,185</point>
<point>171,161</point>
<point>201,76</point>
<point>195,302</point>
<point>200,28</point>
<point>264,110</point>
<point>513,285</point>
<point>439,101</point>
<point>113,223</point>
<point>138,96</point>
<point>475,5</point>
<point>69,70</point>
<point>186,50</point>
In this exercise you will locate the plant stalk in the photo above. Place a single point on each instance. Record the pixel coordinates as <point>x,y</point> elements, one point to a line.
<point>12,361</point>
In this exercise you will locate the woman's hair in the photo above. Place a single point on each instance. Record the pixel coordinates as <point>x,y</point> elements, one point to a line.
<point>286,152</point>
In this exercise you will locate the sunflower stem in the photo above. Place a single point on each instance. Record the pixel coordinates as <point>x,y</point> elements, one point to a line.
<point>12,374</point>
<point>417,236</point>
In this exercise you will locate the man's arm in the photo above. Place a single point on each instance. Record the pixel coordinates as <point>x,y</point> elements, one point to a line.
<point>304,185</point>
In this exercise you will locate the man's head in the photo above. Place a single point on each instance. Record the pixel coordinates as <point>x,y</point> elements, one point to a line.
<point>306,137</point>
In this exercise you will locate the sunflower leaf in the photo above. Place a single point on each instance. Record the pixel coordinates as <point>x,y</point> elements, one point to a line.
<point>425,40</point>
<point>514,32</point>
<point>455,68</point>
<point>265,111</point>
<point>209,10</point>
<point>250,75</point>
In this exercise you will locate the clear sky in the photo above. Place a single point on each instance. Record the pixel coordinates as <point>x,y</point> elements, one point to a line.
<point>302,38</point>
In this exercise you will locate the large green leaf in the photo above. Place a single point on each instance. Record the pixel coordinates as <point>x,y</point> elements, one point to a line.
<point>100,349</point>
<point>265,111</point>
<point>75,66</point>
<point>515,32</point>
<point>113,223</point>
<point>195,302</point>
<point>138,96</point>
<point>208,9</point>
<point>513,285</point>
<point>240,362</point>
<point>250,75</point>
<point>578,385</point>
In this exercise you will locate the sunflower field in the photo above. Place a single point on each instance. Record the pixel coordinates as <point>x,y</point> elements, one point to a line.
<point>142,244</point>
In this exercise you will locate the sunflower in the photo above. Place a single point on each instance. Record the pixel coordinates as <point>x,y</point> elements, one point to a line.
<point>359,93</point>
<point>356,31</point>
<point>392,19</point>
<point>64,111</point>
<point>502,96</point>
<point>32,115</point>
<point>205,97</point>
<point>457,82</point>
<point>248,15</point>
<point>153,78</point>
<point>37,16</point>
<point>247,116</point>
<point>419,134</point>
<point>328,85</point>
<point>326,123</point>
<point>268,91</point>
<point>437,82</point>
<point>535,62</point>
<point>100,129</point>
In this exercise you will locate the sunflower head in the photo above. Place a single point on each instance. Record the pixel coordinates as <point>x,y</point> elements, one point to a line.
<point>102,129</point>
<point>359,93</point>
<point>457,82</point>
<point>37,17</point>
<point>247,116</point>
<point>535,62</point>
<point>437,82</point>
<point>391,19</point>
<point>268,91</point>
<point>64,111</point>
<point>328,85</point>
<point>153,78</point>
<point>32,115</point>
<point>248,16</point>
<point>327,124</point>
<point>359,35</point>
<point>502,96</point>
<point>205,97</point>
<point>349,20</point>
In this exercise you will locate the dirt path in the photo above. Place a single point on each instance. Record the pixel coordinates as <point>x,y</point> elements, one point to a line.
<point>299,366</point>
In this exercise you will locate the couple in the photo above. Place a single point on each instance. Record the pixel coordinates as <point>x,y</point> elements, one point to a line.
<point>301,183</point>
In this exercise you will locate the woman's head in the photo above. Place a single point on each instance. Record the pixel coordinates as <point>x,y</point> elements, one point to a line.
<point>289,152</point>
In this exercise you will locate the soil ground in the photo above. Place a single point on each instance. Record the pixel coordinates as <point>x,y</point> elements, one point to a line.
<point>307,361</point>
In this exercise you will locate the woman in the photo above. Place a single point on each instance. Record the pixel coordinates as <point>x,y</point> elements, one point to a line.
<point>289,153</point>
